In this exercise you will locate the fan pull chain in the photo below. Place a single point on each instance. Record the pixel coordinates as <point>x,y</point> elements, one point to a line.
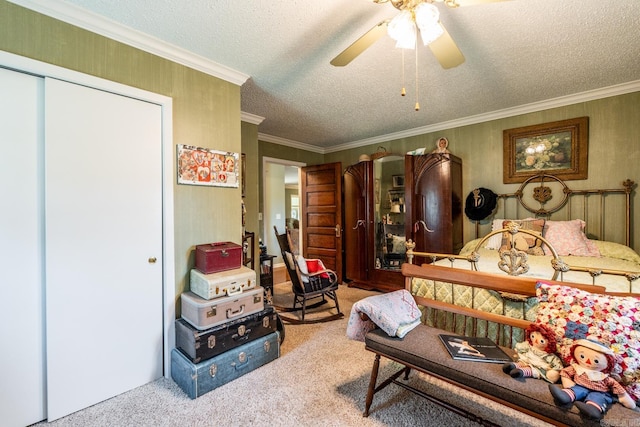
<point>417,103</point>
<point>403,92</point>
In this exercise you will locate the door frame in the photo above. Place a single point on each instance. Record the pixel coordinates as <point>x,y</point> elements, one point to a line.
<point>282,162</point>
<point>42,69</point>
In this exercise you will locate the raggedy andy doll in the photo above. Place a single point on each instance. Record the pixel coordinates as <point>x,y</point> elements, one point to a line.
<point>586,381</point>
<point>536,356</point>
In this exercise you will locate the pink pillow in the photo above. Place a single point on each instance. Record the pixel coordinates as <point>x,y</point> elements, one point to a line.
<point>568,238</point>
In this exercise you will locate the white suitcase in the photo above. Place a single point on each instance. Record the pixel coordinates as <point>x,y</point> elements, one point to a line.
<point>223,283</point>
<point>207,313</point>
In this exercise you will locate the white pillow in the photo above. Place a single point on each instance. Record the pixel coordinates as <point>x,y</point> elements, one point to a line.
<point>399,244</point>
<point>302,265</point>
<point>495,241</point>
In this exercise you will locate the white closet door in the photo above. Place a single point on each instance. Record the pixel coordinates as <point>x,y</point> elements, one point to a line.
<point>103,205</point>
<point>22,400</point>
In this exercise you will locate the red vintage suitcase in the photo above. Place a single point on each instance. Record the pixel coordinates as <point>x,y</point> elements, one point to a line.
<point>221,256</point>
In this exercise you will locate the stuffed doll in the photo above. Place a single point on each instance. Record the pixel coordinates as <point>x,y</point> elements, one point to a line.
<point>536,356</point>
<point>586,381</point>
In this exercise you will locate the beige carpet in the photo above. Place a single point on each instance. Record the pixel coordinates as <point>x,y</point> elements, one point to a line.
<point>320,379</point>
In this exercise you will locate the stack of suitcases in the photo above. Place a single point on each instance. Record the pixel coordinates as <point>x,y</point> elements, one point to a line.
<point>226,329</point>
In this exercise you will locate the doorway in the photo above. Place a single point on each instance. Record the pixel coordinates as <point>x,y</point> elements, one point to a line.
<point>281,200</point>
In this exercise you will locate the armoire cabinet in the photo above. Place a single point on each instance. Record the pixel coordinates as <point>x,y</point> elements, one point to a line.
<point>395,198</point>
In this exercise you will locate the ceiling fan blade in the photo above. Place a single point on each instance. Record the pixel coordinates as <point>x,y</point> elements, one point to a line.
<point>360,45</point>
<point>446,51</point>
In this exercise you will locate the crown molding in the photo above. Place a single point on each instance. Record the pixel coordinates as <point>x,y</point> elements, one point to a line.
<point>82,18</point>
<point>100,25</point>
<point>251,118</point>
<point>290,143</point>
<point>563,101</point>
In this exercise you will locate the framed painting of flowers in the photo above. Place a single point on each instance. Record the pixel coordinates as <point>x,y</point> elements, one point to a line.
<point>557,148</point>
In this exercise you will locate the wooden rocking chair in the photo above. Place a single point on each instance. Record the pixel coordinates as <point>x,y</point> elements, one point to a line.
<point>307,286</point>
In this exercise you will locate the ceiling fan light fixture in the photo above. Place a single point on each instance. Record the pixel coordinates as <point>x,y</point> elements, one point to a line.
<point>427,19</point>
<point>402,29</point>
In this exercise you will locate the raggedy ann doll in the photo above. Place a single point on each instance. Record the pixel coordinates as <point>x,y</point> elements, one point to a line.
<point>586,381</point>
<point>537,356</point>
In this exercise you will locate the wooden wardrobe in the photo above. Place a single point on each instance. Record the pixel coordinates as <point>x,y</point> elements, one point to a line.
<point>392,199</point>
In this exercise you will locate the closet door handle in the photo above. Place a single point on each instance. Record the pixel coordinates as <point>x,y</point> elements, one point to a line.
<point>338,230</point>
<point>359,223</point>
<point>416,226</point>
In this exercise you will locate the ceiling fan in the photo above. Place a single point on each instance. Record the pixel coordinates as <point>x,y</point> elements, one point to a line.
<point>414,15</point>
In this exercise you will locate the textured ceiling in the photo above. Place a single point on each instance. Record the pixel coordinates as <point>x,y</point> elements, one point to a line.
<point>517,52</point>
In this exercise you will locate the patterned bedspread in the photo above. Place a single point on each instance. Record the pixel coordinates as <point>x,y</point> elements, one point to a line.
<point>614,257</point>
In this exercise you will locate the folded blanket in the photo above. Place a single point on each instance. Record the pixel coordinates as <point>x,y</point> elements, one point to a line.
<point>396,313</point>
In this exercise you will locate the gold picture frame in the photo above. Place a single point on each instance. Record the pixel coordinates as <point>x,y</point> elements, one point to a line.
<point>557,148</point>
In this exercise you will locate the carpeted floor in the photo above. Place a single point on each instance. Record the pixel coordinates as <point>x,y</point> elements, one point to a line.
<point>320,379</point>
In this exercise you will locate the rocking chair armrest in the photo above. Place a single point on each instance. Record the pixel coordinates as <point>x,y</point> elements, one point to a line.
<point>319,272</point>
<point>317,282</point>
<point>317,276</point>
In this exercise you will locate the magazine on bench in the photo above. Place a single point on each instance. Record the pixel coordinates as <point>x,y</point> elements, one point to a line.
<point>480,349</point>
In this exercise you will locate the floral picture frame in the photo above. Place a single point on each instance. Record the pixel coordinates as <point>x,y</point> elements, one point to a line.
<point>557,148</point>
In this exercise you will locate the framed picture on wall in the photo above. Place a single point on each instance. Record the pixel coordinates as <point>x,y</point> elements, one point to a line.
<point>398,181</point>
<point>557,148</point>
<point>202,166</point>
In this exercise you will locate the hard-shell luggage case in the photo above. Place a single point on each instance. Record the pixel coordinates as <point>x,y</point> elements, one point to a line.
<point>220,256</point>
<point>229,282</point>
<point>204,314</point>
<point>202,345</point>
<point>198,379</point>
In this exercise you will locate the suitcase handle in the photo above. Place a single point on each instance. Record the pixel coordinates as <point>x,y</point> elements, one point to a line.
<point>231,313</point>
<point>236,292</point>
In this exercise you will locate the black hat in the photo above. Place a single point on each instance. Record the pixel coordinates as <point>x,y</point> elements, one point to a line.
<point>480,203</point>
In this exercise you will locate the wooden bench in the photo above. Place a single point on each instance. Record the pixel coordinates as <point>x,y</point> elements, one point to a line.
<point>421,350</point>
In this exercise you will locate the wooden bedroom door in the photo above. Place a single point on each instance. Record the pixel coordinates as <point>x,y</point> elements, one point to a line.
<point>321,205</point>
<point>103,218</point>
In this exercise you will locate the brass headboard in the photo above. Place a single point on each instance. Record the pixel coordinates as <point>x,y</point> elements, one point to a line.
<point>554,196</point>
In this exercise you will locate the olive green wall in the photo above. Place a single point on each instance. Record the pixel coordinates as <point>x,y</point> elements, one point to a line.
<point>614,149</point>
<point>206,113</point>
